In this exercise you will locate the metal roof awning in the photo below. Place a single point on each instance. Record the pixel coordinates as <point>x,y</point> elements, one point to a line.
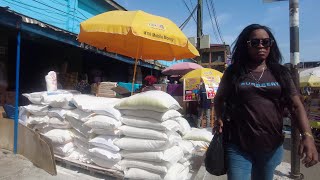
<point>17,21</point>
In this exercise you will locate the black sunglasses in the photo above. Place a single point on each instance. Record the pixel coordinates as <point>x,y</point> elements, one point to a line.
<point>267,42</point>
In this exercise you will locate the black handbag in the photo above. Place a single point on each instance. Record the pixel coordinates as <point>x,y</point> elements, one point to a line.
<point>215,161</point>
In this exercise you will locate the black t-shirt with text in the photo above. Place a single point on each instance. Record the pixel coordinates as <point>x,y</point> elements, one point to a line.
<point>256,123</point>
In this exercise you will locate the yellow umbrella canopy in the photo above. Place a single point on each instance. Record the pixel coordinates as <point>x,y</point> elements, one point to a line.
<point>205,73</point>
<point>137,34</point>
<point>310,80</point>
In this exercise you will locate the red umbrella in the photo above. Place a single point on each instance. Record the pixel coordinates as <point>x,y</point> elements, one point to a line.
<point>181,68</point>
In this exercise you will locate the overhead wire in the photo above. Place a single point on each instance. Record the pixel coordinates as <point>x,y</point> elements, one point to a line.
<point>188,19</point>
<point>32,10</point>
<point>211,20</point>
<point>55,1</point>
<point>56,9</point>
<point>216,20</point>
<point>189,10</point>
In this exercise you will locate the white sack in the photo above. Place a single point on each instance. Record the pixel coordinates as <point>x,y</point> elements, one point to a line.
<point>81,156</point>
<point>106,142</point>
<point>58,99</point>
<point>144,133</point>
<point>184,125</point>
<point>58,112</point>
<point>34,98</point>
<point>187,146</point>
<point>99,105</point>
<point>138,174</point>
<point>171,155</point>
<point>102,122</point>
<point>59,136</point>
<point>78,126</point>
<point>110,132</point>
<point>135,144</point>
<point>199,135</point>
<point>105,154</point>
<point>37,119</point>
<point>200,145</point>
<point>159,116</point>
<point>106,164</point>
<point>150,123</point>
<point>158,101</point>
<point>79,115</point>
<point>38,110</point>
<point>58,123</point>
<point>177,171</point>
<point>64,150</point>
<point>161,168</point>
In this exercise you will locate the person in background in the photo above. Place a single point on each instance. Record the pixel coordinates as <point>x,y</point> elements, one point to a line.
<point>83,86</point>
<point>204,104</point>
<point>148,83</point>
<point>249,105</point>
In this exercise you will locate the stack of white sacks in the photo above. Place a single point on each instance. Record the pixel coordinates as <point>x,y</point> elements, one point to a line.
<point>95,123</point>
<point>150,147</point>
<point>81,127</point>
<point>143,135</point>
<point>47,114</point>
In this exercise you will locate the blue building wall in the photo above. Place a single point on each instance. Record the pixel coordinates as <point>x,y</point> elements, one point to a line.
<point>65,14</point>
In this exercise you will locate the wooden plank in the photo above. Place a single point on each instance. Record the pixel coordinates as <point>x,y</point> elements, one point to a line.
<point>90,167</point>
<point>31,145</point>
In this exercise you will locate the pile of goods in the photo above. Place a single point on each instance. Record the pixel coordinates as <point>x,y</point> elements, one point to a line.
<point>143,135</point>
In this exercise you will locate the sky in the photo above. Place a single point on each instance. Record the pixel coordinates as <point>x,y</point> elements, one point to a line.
<point>234,15</point>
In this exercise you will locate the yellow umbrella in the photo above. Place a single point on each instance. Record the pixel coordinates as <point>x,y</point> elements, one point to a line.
<point>310,80</point>
<point>204,73</point>
<point>137,34</point>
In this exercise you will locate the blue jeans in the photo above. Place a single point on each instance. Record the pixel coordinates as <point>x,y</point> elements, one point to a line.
<point>257,165</point>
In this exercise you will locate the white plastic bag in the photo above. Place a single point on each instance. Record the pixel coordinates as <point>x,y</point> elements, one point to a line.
<point>158,101</point>
<point>51,81</point>
<point>58,99</point>
<point>187,146</point>
<point>34,98</point>
<point>78,126</point>
<point>79,115</point>
<point>106,142</point>
<point>177,171</point>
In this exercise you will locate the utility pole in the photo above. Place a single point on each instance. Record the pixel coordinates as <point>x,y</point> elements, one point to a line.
<point>294,60</point>
<point>199,24</point>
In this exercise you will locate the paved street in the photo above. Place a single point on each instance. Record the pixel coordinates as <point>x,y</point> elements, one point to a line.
<point>17,167</point>
<point>282,171</point>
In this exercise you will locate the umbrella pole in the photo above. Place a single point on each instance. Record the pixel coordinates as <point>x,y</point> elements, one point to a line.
<point>134,75</point>
<point>135,68</point>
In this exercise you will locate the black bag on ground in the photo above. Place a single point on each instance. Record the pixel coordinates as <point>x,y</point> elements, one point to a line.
<point>215,156</point>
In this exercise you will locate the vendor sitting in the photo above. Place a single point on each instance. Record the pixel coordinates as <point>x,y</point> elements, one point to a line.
<point>148,83</point>
<point>83,86</point>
